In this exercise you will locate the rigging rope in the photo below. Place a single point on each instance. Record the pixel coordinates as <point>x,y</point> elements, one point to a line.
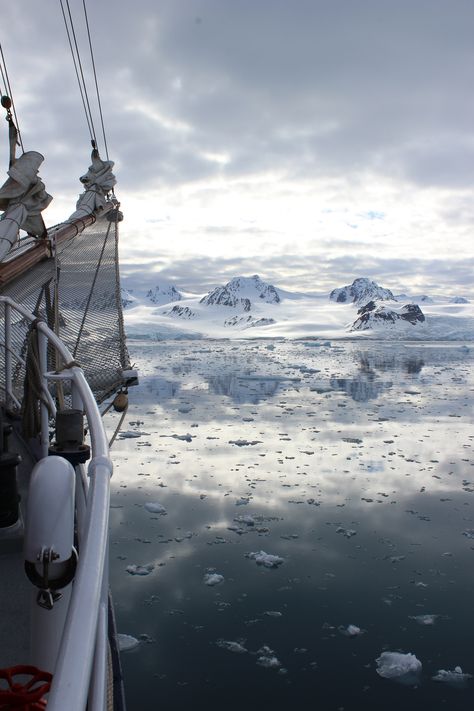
<point>8,90</point>
<point>95,80</point>
<point>89,298</point>
<point>76,58</point>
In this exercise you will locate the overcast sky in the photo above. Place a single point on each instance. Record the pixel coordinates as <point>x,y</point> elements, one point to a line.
<point>308,141</point>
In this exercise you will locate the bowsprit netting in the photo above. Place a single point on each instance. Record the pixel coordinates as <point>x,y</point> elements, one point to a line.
<point>78,294</point>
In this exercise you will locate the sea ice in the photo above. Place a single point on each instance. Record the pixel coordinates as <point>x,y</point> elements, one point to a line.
<point>347,532</point>
<point>455,678</point>
<point>126,642</point>
<point>266,559</point>
<point>351,630</point>
<point>212,579</point>
<point>140,569</point>
<point>184,438</point>
<point>424,619</point>
<point>248,520</point>
<point>130,434</point>
<point>155,508</point>
<point>404,668</point>
<point>236,647</point>
<point>267,658</point>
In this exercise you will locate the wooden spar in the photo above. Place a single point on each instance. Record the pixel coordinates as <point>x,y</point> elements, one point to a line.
<point>10,270</point>
<point>42,249</point>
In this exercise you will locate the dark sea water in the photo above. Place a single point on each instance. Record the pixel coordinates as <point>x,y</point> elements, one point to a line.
<point>350,462</point>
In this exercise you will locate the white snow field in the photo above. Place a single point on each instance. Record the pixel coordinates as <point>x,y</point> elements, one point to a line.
<point>248,307</point>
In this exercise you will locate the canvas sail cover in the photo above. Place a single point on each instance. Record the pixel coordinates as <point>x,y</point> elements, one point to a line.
<point>22,197</point>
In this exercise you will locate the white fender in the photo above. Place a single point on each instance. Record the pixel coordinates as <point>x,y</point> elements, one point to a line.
<point>49,527</point>
<point>50,509</point>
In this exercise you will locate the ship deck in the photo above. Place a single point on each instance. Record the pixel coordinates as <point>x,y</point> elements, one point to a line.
<point>15,591</point>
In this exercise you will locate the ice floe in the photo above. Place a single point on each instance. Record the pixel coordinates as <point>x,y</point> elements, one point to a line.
<point>213,579</point>
<point>426,620</point>
<point>454,678</point>
<point>126,642</point>
<point>140,569</point>
<point>155,507</point>
<point>267,658</point>
<point>236,647</point>
<point>266,559</point>
<point>351,630</point>
<point>247,520</point>
<point>404,668</point>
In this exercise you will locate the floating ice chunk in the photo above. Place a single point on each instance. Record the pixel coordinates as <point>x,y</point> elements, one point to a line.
<point>212,579</point>
<point>347,532</point>
<point>184,438</point>
<point>424,619</point>
<point>140,569</point>
<point>266,559</point>
<point>267,658</point>
<point>404,668</point>
<point>155,507</point>
<point>236,647</point>
<point>455,678</point>
<point>469,533</point>
<point>130,434</point>
<point>237,529</point>
<point>273,613</point>
<point>351,630</point>
<point>248,520</point>
<point>243,501</point>
<point>126,642</point>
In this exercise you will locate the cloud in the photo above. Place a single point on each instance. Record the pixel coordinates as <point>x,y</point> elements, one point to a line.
<point>297,118</point>
<point>298,273</point>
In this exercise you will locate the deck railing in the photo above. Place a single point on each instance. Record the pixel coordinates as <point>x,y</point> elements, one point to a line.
<point>79,679</point>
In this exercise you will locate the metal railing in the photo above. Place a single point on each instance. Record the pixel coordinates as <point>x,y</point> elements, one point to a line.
<point>79,679</point>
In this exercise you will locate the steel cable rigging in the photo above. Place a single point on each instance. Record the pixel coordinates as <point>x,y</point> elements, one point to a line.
<point>7,94</point>
<point>78,67</point>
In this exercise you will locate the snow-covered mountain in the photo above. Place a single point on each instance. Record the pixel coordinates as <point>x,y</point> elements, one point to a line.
<point>163,294</point>
<point>374,315</point>
<point>242,291</point>
<point>250,307</point>
<point>361,291</point>
<point>159,295</point>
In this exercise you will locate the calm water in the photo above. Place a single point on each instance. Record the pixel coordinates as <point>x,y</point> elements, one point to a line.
<point>350,462</point>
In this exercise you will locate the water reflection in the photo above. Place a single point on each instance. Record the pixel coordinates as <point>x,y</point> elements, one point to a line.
<point>361,389</point>
<point>366,385</point>
<point>368,506</point>
<point>370,362</point>
<point>246,388</point>
<point>161,388</point>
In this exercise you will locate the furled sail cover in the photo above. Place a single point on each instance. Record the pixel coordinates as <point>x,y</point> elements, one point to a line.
<point>98,182</point>
<point>22,197</point>
<point>89,318</point>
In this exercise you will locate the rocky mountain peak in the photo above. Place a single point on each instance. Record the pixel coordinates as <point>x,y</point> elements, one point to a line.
<point>241,292</point>
<point>361,291</point>
<point>163,294</point>
<point>373,314</point>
